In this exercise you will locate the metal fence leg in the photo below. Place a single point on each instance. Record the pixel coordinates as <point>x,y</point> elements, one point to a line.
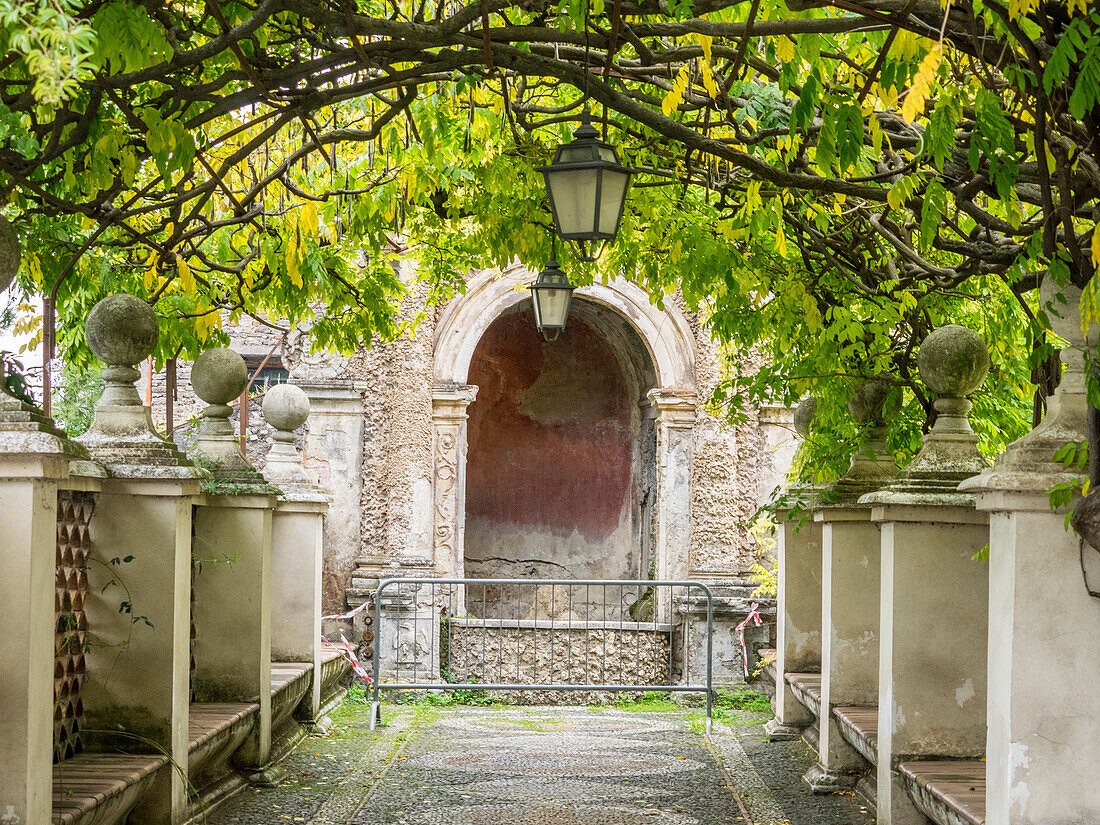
<point>376,716</point>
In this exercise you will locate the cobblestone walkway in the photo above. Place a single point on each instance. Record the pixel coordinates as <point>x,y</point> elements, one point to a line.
<point>554,766</point>
<point>534,765</point>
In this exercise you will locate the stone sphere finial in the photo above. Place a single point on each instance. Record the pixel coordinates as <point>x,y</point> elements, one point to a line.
<point>804,415</point>
<point>218,376</point>
<point>868,402</point>
<point>286,407</point>
<point>10,254</point>
<point>122,330</point>
<point>953,361</point>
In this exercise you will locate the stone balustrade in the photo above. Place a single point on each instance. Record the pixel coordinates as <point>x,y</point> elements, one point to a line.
<point>948,688</point>
<point>135,580</point>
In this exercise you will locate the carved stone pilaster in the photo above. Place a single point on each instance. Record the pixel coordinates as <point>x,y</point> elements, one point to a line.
<point>449,404</point>
<point>675,435</point>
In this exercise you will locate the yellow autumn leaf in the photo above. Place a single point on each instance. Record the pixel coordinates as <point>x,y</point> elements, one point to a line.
<point>1096,246</point>
<point>307,218</point>
<point>922,83</point>
<point>676,94</point>
<point>780,239</point>
<point>708,76</point>
<point>292,263</point>
<point>187,280</point>
<point>784,47</point>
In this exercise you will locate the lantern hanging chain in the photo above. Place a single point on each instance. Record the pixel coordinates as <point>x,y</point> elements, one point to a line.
<point>584,91</point>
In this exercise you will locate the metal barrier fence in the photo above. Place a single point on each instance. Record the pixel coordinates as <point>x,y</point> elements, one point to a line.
<point>531,634</point>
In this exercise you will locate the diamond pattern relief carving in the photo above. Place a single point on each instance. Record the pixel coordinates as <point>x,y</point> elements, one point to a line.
<point>74,512</point>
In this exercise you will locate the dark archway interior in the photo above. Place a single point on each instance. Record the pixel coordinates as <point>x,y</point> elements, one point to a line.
<point>560,477</point>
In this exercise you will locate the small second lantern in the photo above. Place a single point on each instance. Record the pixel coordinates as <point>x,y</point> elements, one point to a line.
<point>551,294</point>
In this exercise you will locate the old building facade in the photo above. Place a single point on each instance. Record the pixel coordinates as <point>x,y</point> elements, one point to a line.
<point>475,448</point>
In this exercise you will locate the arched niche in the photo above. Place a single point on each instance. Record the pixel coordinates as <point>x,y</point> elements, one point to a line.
<point>656,350</point>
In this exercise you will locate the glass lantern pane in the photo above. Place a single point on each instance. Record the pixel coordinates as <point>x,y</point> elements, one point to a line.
<point>570,153</point>
<point>555,305</point>
<point>611,198</point>
<point>538,307</point>
<point>574,194</point>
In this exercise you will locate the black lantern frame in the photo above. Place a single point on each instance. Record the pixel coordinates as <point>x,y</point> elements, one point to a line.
<point>551,280</point>
<point>587,154</point>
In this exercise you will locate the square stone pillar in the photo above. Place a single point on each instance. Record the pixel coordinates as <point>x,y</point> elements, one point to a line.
<point>34,460</point>
<point>232,609</point>
<point>1043,743</point>
<point>798,617</point>
<point>933,639</point>
<point>138,664</point>
<point>297,543</point>
<point>297,540</point>
<point>850,564</point>
<point>675,441</point>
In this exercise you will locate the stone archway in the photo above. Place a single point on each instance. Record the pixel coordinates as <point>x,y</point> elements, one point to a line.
<point>670,349</point>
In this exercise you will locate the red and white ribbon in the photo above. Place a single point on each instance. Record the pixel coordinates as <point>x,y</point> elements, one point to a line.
<point>347,650</point>
<point>351,614</point>
<point>754,616</point>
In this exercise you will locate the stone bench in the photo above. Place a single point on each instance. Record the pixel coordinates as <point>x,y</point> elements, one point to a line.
<point>859,726</point>
<point>216,730</point>
<point>767,656</point>
<point>947,792</point>
<point>101,788</point>
<point>807,689</point>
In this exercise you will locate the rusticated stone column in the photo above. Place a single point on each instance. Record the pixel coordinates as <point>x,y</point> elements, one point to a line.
<point>675,435</point>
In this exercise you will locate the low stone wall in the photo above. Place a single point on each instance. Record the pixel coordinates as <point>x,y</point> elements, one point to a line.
<point>529,653</point>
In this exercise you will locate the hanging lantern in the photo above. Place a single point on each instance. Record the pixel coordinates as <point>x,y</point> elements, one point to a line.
<point>551,294</point>
<point>587,185</point>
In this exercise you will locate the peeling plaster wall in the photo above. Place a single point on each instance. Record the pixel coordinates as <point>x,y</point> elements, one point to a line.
<point>549,468</point>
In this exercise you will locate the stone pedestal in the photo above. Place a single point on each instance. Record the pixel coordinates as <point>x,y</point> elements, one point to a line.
<point>408,636</point>
<point>34,460</point>
<point>849,590</point>
<point>798,618</point>
<point>933,637</point>
<point>731,603</point>
<point>141,552</point>
<point>850,566</point>
<point>138,664</point>
<point>231,554</point>
<point>1042,747</point>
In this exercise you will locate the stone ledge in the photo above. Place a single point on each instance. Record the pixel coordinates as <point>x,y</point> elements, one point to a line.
<point>807,689</point>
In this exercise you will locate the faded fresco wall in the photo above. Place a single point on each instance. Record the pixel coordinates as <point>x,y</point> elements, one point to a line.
<point>548,491</point>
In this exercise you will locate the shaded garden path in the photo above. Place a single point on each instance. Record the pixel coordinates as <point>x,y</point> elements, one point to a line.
<point>563,765</point>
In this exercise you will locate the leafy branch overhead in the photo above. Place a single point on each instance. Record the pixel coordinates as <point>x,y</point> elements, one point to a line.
<point>830,180</point>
